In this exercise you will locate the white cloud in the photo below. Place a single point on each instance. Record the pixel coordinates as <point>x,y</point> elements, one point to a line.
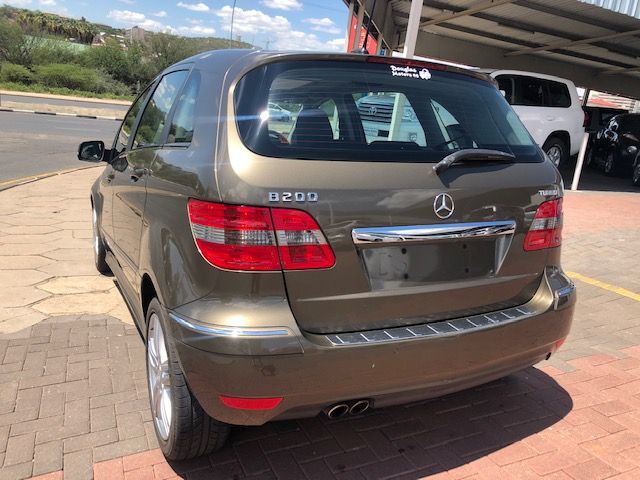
<point>196,7</point>
<point>48,3</point>
<point>280,31</point>
<point>282,4</point>
<point>139,19</point>
<point>336,44</point>
<point>17,3</point>
<point>128,2</point>
<point>160,14</point>
<point>323,25</point>
<point>126,16</point>
<point>196,30</point>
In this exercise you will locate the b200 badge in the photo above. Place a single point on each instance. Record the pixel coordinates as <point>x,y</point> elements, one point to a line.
<point>299,197</point>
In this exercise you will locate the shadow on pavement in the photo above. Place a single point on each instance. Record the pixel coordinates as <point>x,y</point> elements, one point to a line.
<point>594,179</point>
<point>410,441</point>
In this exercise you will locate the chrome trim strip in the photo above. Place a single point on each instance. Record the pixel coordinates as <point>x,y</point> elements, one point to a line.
<point>440,329</point>
<point>220,331</point>
<point>419,233</point>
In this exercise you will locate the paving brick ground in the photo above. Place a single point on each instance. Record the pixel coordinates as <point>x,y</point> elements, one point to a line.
<point>73,398</point>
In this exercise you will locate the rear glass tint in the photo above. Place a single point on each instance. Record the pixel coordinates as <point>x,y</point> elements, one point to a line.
<point>356,111</point>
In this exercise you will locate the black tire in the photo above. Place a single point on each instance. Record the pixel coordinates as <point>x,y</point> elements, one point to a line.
<point>635,176</point>
<point>609,166</point>
<point>553,145</point>
<point>590,157</point>
<point>99,249</point>
<point>191,433</point>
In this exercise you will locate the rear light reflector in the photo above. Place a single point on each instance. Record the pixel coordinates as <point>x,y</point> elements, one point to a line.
<point>234,237</point>
<point>546,228</point>
<point>240,403</point>
<point>301,242</point>
<point>238,237</point>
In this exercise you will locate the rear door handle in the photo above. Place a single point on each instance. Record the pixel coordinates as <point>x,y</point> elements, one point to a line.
<point>550,118</point>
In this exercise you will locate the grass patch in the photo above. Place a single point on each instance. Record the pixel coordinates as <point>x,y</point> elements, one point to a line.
<point>36,88</point>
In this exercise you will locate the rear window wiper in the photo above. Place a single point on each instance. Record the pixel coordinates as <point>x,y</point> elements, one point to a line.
<point>475,154</point>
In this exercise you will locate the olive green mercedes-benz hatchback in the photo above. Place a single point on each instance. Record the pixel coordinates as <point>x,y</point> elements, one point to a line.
<point>298,234</point>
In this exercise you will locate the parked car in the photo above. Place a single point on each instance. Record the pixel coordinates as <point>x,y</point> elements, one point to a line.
<point>280,276</point>
<point>597,119</point>
<point>615,148</point>
<point>550,109</point>
<point>278,114</point>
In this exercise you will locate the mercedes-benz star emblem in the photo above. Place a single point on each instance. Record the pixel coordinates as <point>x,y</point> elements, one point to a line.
<point>443,205</point>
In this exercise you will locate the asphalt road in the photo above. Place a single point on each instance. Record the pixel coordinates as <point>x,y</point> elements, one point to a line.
<point>34,144</point>
<point>55,101</point>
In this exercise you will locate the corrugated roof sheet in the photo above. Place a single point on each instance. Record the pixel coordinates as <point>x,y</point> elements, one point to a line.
<point>626,7</point>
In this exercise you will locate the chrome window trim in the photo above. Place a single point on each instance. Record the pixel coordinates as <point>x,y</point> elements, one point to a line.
<point>444,328</point>
<point>224,331</point>
<point>420,233</point>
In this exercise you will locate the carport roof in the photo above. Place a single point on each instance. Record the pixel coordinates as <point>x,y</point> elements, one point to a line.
<point>594,46</point>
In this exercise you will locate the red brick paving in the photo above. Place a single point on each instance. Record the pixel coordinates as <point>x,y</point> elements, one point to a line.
<point>546,436</point>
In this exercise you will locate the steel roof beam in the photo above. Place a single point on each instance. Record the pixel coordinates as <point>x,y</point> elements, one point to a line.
<point>584,41</point>
<point>464,12</point>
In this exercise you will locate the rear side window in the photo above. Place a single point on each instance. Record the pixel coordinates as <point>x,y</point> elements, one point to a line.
<point>534,92</point>
<point>155,114</point>
<point>357,111</point>
<point>558,94</point>
<point>530,92</point>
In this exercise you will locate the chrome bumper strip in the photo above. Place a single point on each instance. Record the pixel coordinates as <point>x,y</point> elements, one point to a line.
<point>223,331</point>
<point>440,329</point>
<point>420,233</point>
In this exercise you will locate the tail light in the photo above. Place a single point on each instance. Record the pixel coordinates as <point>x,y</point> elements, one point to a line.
<point>238,237</point>
<point>546,228</point>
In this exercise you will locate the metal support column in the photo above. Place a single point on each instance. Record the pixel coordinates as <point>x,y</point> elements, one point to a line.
<point>412,29</point>
<point>348,29</point>
<point>358,32</point>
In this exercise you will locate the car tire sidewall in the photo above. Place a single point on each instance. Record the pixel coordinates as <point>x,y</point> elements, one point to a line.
<point>609,165</point>
<point>635,176</point>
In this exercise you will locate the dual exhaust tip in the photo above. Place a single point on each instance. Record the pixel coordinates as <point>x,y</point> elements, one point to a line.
<point>341,409</point>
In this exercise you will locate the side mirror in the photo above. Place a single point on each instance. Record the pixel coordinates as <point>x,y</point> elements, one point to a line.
<point>92,151</point>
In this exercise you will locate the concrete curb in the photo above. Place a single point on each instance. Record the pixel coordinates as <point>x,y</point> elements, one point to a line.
<point>93,117</point>
<point>41,176</point>
<point>71,98</point>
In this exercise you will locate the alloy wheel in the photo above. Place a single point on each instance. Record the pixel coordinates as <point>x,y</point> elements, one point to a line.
<point>159,380</point>
<point>555,154</point>
<point>636,174</point>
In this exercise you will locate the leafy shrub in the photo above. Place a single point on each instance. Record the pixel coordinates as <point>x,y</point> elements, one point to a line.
<point>10,72</point>
<point>46,53</point>
<point>107,84</point>
<point>70,76</point>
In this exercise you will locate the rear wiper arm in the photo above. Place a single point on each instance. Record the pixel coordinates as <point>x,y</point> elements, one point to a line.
<point>478,154</point>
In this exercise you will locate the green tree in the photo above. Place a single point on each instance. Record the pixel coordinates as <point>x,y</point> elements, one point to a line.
<point>168,49</point>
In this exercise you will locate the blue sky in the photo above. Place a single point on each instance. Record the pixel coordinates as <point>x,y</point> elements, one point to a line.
<point>282,24</point>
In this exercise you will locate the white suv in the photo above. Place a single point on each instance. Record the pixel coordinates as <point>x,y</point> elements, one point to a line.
<point>549,107</point>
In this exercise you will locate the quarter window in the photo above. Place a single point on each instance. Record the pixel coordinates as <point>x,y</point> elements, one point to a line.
<point>181,130</point>
<point>155,114</point>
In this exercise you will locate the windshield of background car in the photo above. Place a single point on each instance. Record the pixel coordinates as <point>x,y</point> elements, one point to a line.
<point>357,111</point>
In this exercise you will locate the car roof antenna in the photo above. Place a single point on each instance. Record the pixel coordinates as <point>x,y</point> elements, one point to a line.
<point>363,49</point>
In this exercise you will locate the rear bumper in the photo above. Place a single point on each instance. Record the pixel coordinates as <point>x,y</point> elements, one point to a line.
<point>311,371</point>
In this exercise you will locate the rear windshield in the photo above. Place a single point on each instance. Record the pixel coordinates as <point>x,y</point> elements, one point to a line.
<point>356,111</point>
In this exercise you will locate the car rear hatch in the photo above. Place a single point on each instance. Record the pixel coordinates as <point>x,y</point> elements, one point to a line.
<point>411,245</point>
